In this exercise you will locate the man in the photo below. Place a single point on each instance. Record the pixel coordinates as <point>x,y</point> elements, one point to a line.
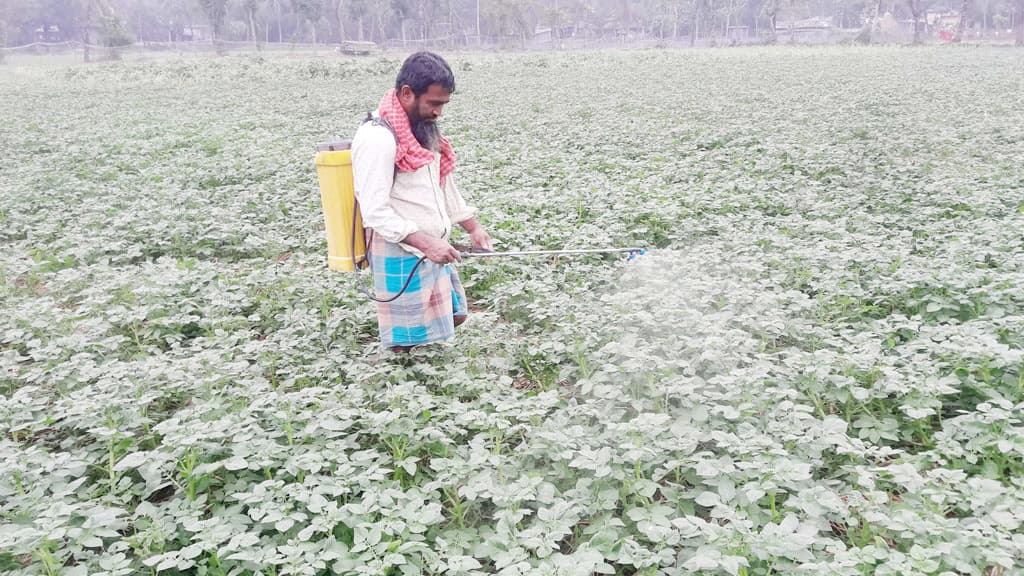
<point>402,170</point>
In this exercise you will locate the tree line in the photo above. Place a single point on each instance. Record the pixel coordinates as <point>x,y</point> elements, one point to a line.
<point>463,22</point>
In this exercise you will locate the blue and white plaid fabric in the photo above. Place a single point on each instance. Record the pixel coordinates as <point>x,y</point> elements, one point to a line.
<point>426,312</point>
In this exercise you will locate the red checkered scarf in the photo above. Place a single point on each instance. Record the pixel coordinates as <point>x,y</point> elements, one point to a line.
<point>410,156</point>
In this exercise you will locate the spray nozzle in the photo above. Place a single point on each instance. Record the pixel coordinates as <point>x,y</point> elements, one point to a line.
<point>638,252</point>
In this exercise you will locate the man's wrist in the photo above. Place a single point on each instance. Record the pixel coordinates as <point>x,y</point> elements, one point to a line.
<point>420,240</point>
<point>470,225</point>
<point>415,240</point>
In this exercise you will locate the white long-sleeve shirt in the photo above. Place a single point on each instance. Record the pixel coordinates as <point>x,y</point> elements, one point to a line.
<point>396,204</point>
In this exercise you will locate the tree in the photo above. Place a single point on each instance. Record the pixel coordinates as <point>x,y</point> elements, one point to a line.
<point>215,11</point>
<point>4,19</point>
<point>675,8</point>
<point>93,22</point>
<point>729,9</point>
<point>339,11</point>
<point>555,16</point>
<point>111,31</point>
<point>1020,22</point>
<point>277,14</point>
<point>875,21</point>
<point>700,7</point>
<point>359,10</point>
<point>250,7</point>
<point>770,9</point>
<point>64,17</point>
<point>964,7</point>
<point>916,9</point>
<point>423,11</point>
<point>403,12</point>
<point>312,11</point>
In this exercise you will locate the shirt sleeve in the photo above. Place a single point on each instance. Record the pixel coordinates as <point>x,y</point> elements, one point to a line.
<point>373,174</point>
<point>455,204</point>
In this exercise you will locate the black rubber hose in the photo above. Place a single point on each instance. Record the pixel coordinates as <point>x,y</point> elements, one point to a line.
<point>357,265</point>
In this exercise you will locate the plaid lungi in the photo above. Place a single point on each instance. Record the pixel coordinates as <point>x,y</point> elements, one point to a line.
<point>425,312</point>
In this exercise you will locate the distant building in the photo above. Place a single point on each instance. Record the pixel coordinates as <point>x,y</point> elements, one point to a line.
<point>816,28</point>
<point>547,36</point>
<point>50,34</point>
<point>944,20</point>
<point>737,32</point>
<point>196,32</point>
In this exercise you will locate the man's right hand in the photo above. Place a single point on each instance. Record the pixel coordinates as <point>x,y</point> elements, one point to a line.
<point>435,249</point>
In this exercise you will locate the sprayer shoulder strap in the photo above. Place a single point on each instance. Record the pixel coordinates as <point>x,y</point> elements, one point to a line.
<point>379,121</point>
<point>368,239</point>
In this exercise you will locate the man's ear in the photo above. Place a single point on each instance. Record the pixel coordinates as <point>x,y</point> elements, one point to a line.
<point>406,96</point>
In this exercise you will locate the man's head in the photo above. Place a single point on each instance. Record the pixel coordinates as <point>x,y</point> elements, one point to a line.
<point>424,85</point>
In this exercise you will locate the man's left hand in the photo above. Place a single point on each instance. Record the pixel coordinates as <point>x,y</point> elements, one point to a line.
<point>481,239</point>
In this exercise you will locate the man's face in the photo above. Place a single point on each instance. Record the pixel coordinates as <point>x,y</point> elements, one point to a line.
<point>427,106</point>
<point>423,112</point>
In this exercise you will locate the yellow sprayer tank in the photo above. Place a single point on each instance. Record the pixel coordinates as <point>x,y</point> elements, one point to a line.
<point>337,193</point>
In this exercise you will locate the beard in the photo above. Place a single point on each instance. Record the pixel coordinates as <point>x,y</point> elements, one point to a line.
<point>426,133</point>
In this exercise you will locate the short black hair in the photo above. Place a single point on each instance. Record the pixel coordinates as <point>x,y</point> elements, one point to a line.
<point>421,70</point>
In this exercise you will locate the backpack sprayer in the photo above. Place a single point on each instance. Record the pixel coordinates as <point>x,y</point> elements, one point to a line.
<point>346,238</point>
